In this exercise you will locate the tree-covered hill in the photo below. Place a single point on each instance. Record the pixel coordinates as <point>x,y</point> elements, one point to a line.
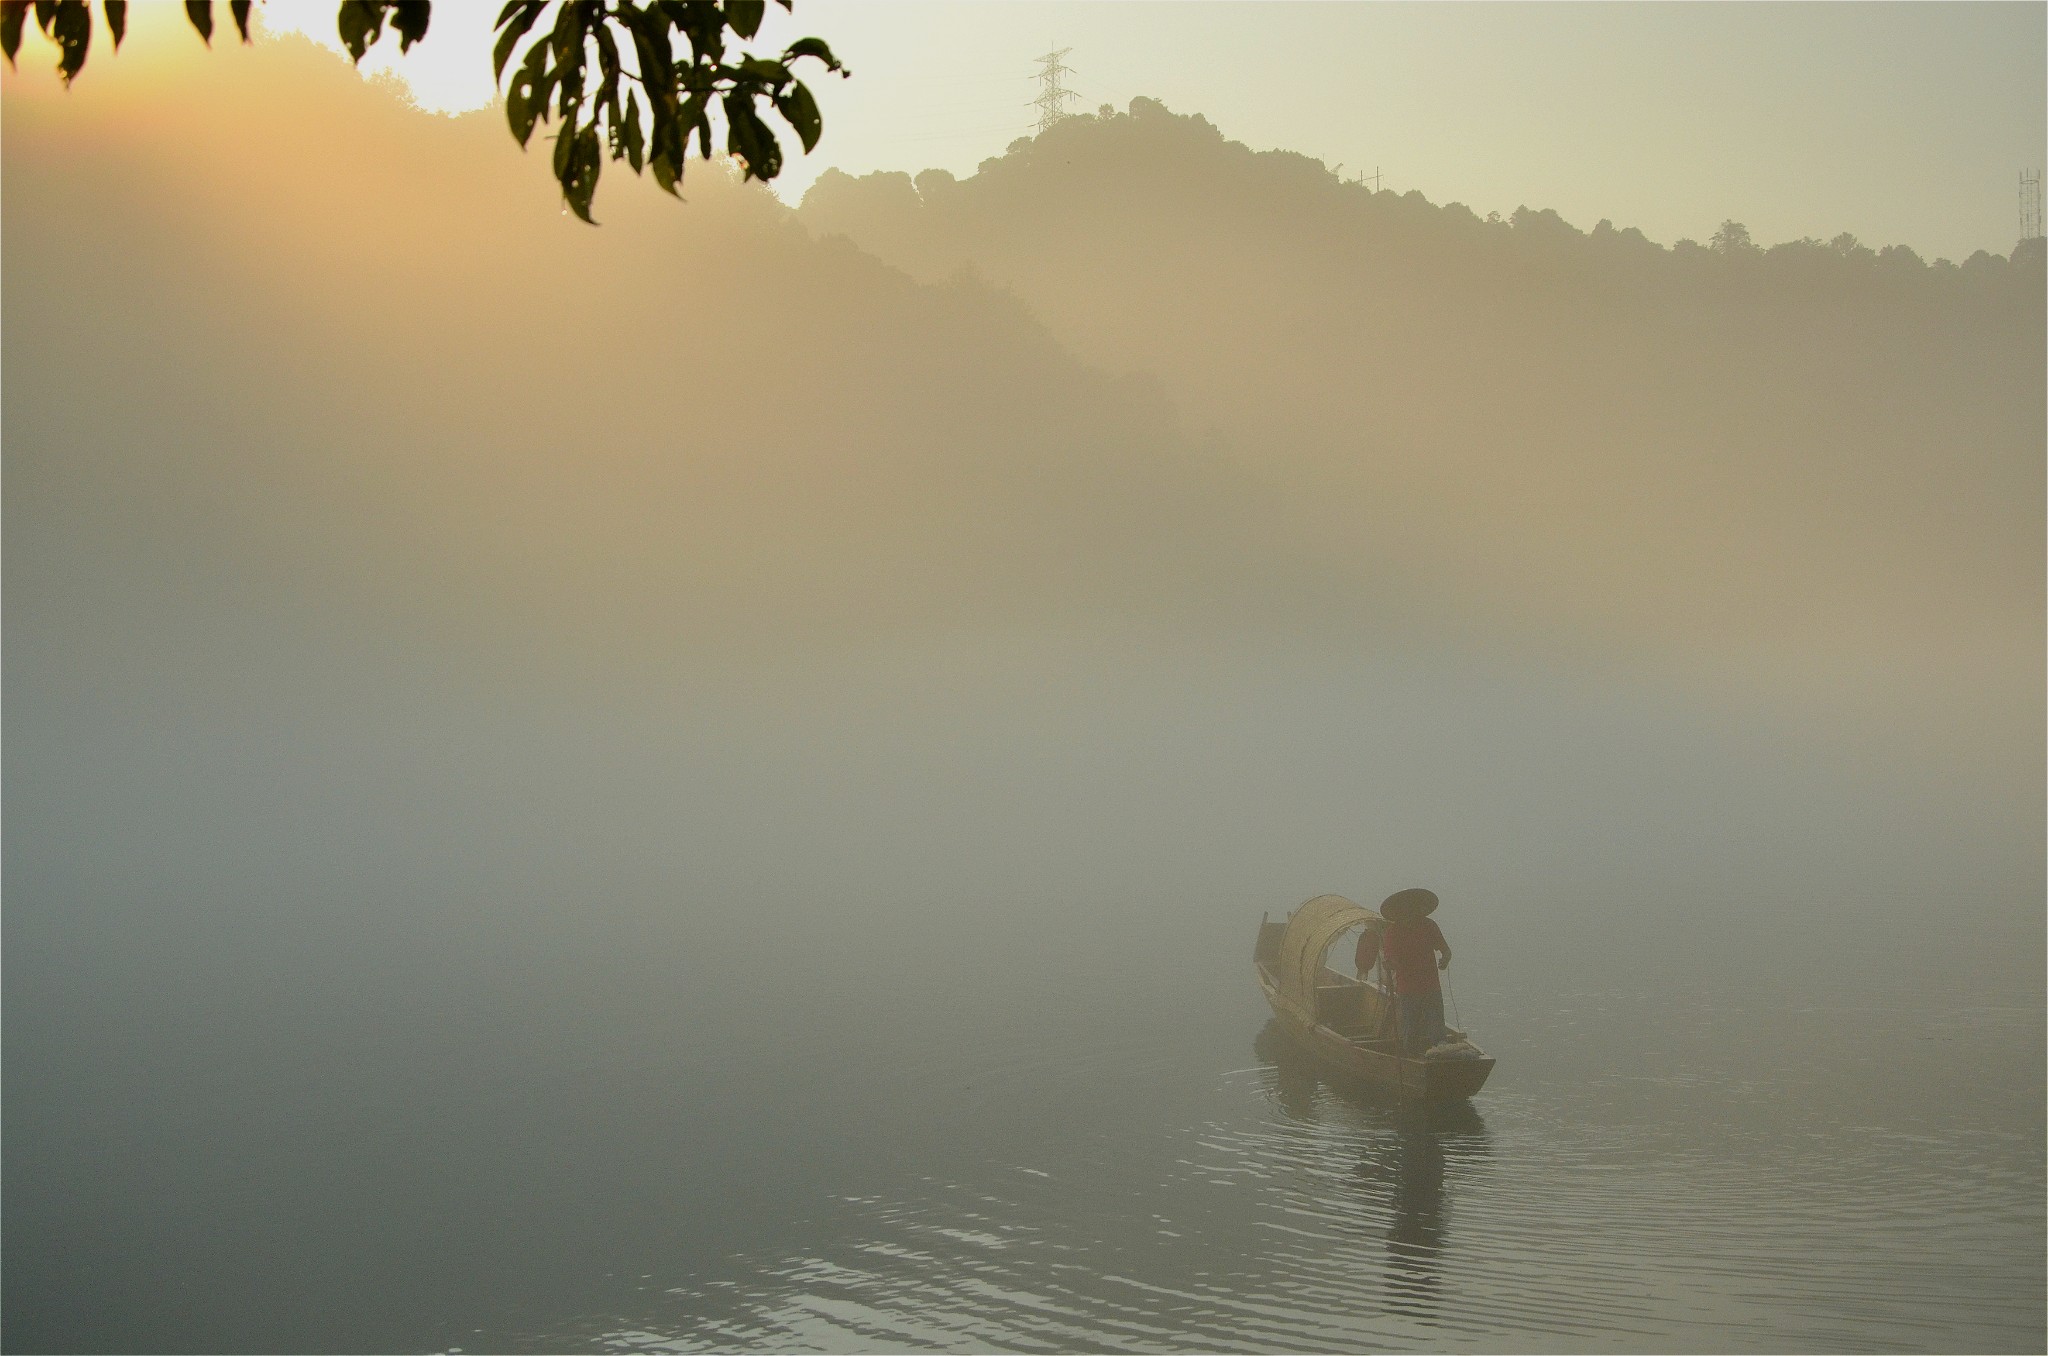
<point>1735,442</point>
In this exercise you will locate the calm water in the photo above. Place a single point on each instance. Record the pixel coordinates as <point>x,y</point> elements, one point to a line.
<point>501,1036</point>
<point>1697,1179</point>
<point>1044,1148</point>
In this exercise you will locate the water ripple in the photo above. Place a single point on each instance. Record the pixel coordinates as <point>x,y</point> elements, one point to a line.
<point>1303,1218</point>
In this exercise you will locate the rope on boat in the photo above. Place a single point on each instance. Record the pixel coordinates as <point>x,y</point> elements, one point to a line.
<point>1387,1015</point>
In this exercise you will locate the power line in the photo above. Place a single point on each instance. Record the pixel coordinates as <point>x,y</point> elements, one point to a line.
<point>960,135</point>
<point>1361,178</point>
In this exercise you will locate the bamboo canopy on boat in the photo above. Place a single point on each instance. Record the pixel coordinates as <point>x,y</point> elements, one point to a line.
<point>1310,930</point>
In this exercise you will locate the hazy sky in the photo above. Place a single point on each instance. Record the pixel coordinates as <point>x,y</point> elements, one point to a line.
<point>1903,123</point>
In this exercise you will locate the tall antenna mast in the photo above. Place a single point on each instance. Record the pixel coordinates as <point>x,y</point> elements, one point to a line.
<point>1052,95</point>
<point>2030,205</point>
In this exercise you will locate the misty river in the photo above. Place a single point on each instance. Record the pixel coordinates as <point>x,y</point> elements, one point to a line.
<point>927,1022</point>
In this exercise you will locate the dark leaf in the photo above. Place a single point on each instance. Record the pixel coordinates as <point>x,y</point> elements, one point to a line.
<point>12,14</point>
<point>239,11</point>
<point>697,118</point>
<point>586,163</point>
<point>767,72</point>
<point>71,28</point>
<point>568,34</point>
<point>200,12</point>
<point>668,142</point>
<point>800,111</point>
<point>650,45</point>
<point>702,23</point>
<point>567,41</point>
<point>46,14</point>
<point>607,65</point>
<point>526,99</point>
<point>629,136</point>
<point>743,17</point>
<point>518,111</point>
<point>661,112</point>
<point>517,18</point>
<point>410,19</point>
<point>565,146</point>
<point>750,138</point>
<point>812,47</point>
<point>359,22</point>
<point>117,20</point>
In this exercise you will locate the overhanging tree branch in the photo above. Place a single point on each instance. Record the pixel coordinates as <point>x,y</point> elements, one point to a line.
<point>676,51</point>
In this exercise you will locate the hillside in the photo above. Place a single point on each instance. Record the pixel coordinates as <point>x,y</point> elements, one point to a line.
<point>1807,444</point>
<point>691,429</point>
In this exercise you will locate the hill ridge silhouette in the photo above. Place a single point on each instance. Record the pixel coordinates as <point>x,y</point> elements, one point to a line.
<point>1149,124</point>
<point>1761,441</point>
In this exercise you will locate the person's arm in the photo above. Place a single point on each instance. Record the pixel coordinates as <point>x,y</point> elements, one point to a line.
<point>1444,949</point>
<point>1368,951</point>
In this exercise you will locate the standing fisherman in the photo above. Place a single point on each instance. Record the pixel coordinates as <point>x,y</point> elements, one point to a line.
<point>1412,944</point>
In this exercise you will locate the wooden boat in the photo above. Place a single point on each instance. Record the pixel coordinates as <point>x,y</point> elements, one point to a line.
<point>1347,1023</point>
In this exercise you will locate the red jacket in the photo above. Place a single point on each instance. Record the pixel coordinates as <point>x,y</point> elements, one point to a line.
<point>1410,948</point>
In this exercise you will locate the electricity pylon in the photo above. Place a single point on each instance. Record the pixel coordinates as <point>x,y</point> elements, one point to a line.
<point>1052,95</point>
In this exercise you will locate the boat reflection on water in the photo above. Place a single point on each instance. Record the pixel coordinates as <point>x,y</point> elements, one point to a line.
<point>1405,1151</point>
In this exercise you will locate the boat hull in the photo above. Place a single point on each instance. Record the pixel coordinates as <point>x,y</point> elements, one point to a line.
<point>1374,1062</point>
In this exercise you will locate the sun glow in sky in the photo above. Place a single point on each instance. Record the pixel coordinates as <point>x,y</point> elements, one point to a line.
<point>1902,123</point>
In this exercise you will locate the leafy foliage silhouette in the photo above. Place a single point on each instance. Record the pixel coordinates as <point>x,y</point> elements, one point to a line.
<point>678,59</point>
<point>1732,238</point>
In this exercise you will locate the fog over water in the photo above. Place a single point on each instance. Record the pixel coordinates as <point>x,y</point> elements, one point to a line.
<point>707,783</point>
